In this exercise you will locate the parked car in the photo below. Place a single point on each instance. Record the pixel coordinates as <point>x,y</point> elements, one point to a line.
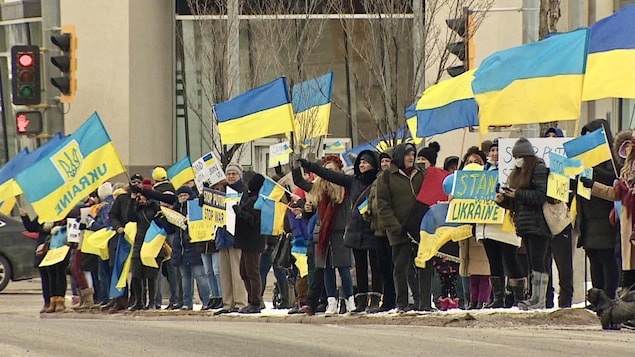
<point>16,251</point>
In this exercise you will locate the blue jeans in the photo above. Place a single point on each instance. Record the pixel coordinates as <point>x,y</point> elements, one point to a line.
<point>103,279</point>
<point>189,273</point>
<point>173,284</point>
<point>331,283</point>
<point>278,272</point>
<point>211,263</point>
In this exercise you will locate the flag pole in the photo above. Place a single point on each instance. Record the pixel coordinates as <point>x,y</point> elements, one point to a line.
<point>610,153</point>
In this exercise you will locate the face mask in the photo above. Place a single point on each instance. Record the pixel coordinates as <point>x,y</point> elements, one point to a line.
<point>519,162</point>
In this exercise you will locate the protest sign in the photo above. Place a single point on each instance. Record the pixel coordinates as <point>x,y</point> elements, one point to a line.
<point>473,199</point>
<point>279,154</point>
<point>207,169</point>
<point>232,198</point>
<point>199,229</point>
<point>542,148</point>
<point>583,191</point>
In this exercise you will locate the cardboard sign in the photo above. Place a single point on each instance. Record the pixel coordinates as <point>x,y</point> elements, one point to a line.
<point>279,154</point>
<point>583,191</point>
<point>542,148</point>
<point>174,217</point>
<point>232,198</point>
<point>213,213</point>
<point>74,234</point>
<point>473,200</point>
<point>199,229</point>
<point>207,169</point>
<point>558,187</point>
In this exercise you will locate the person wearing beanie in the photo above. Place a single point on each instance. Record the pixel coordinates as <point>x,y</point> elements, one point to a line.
<point>136,179</point>
<point>525,195</point>
<point>186,257</point>
<point>251,243</point>
<point>428,155</point>
<point>451,163</point>
<point>384,160</point>
<point>400,215</point>
<point>359,235</point>
<point>104,190</point>
<point>235,169</point>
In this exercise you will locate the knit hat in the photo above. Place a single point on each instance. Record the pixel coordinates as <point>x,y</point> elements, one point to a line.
<point>431,152</point>
<point>408,148</point>
<point>146,184</point>
<point>235,168</point>
<point>255,183</point>
<point>368,158</point>
<point>384,155</point>
<point>159,174</point>
<point>449,161</point>
<point>105,190</point>
<point>523,147</point>
<point>332,158</point>
<point>185,189</point>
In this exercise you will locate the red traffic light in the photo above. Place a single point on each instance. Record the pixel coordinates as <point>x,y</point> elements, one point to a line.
<point>26,60</point>
<point>22,123</point>
<point>28,122</point>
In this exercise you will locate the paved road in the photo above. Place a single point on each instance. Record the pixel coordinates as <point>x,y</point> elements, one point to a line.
<point>24,333</point>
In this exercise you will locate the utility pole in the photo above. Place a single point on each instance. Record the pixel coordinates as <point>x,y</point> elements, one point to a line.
<point>53,109</point>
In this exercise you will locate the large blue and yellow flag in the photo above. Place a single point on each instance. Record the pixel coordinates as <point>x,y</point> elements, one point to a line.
<point>260,112</point>
<point>535,83</point>
<point>312,106</point>
<point>97,242</point>
<point>411,121</point>
<point>8,186</point>
<point>592,149</point>
<point>70,172</point>
<point>272,217</point>
<point>152,244</point>
<point>181,172</point>
<point>447,106</point>
<point>610,69</point>
<point>124,248</point>
<point>271,190</point>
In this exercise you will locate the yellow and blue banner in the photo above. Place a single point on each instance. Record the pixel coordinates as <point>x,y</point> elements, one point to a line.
<point>446,106</point>
<point>363,207</point>
<point>124,248</point>
<point>473,198</point>
<point>312,106</point>
<point>435,232</point>
<point>335,147</point>
<point>279,154</point>
<point>411,122</point>
<point>592,149</point>
<point>152,244</point>
<point>7,206</point>
<point>200,229</point>
<point>534,83</point>
<point>57,249</point>
<point>181,172</point>
<point>69,173</point>
<point>97,242</point>
<point>130,232</point>
<point>271,190</point>
<point>610,69</point>
<point>257,113</point>
<point>272,217</point>
<point>23,160</point>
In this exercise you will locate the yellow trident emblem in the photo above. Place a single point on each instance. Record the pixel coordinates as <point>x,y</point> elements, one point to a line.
<point>68,161</point>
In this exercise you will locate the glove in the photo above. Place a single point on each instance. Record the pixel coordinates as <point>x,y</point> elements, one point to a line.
<point>82,227</point>
<point>304,163</point>
<point>135,188</point>
<point>586,182</point>
<point>201,201</point>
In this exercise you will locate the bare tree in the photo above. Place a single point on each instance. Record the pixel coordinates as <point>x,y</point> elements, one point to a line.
<point>548,20</point>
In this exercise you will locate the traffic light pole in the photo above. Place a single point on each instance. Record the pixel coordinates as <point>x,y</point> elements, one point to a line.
<point>53,110</point>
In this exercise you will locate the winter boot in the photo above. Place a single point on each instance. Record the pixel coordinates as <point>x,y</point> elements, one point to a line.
<point>453,303</point>
<point>537,300</point>
<point>374,303</point>
<point>350,304</point>
<point>86,296</point>
<point>498,292</point>
<point>331,307</point>
<point>444,303</point>
<point>45,307</point>
<point>120,304</point>
<point>61,304</point>
<point>361,302</point>
<point>517,287</point>
<point>52,305</point>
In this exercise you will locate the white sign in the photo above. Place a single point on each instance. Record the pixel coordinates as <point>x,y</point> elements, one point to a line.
<point>73,233</point>
<point>279,154</point>
<point>207,169</point>
<point>232,198</point>
<point>542,148</point>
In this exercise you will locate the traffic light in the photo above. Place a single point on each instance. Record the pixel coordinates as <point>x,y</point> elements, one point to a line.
<point>465,49</point>
<point>25,75</point>
<point>28,122</point>
<point>66,42</point>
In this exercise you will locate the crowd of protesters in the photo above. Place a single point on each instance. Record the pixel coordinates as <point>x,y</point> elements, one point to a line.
<point>372,250</point>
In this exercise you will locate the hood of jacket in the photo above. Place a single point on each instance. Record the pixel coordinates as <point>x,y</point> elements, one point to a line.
<point>369,176</point>
<point>399,154</point>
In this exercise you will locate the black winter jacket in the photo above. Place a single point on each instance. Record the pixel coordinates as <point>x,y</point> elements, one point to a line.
<point>248,237</point>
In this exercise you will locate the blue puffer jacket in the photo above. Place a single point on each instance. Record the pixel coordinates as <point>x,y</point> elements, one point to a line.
<point>184,252</point>
<point>300,231</point>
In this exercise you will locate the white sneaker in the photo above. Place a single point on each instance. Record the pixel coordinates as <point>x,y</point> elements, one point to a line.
<point>331,307</point>
<point>350,304</point>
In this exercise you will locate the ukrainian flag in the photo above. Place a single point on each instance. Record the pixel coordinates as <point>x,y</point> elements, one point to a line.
<point>272,217</point>
<point>70,172</point>
<point>411,121</point>
<point>592,149</point>
<point>130,231</point>
<point>447,106</point>
<point>402,135</point>
<point>7,206</point>
<point>22,161</point>
<point>312,106</point>
<point>610,69</point>
<point>336,146</point>
<point>97,242</point>
<point>363,207</point>
<point>124,248</point>
<point>255,114</point>
<point>181,172</point>
<point>535,83</point>
<point>271,190</point>
<point>152,244</point>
